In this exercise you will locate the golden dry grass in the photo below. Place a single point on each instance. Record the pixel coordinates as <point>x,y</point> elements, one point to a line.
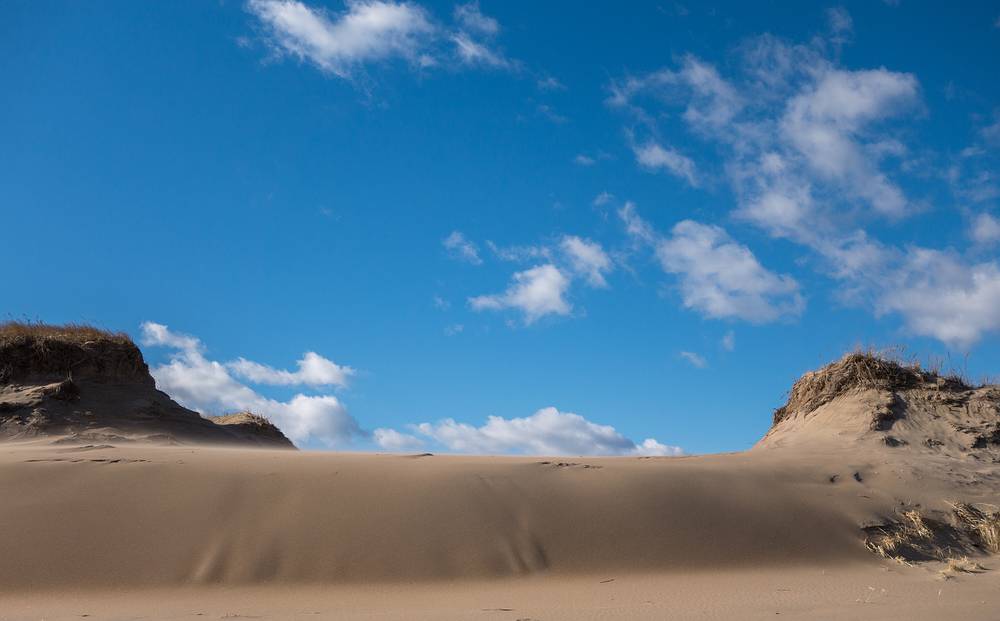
<point>963,565</point>
<point>20,331</point>
<point>984,524</point>
<point>858,370</point>
<point>899,540</point>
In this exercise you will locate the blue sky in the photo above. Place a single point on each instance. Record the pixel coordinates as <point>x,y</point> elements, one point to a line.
<point>381,224</point>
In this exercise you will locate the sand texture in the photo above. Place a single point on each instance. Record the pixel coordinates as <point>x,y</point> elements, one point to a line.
<point>851,507</point>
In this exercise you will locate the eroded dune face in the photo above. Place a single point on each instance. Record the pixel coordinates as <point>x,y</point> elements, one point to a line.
<point>83,385</point>
<point>862,402</point>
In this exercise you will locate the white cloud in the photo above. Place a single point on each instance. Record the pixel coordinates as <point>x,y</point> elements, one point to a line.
<point>654,156</point>
<point>723,279</point>
<point>472,19</point>
<point>549,113</point>
<point>991,133</point>
<point>474,38</point>
<point>587,258</point>
<point>158,334</point>
<point>841,24</point>
<point>461,248</point>
<point>314,370</point>
<point>824,121</point>
<point>985,229</point>
<point>546,432</point>
<point>550,83</point>
<point>713,104</point>
<point>472,52</point>
<point>520,254</point>
<point>392,440</point>
<point>542,290</point>
<point>695,360</point>
<point>584,160</point>
<point>635,226</point>
<point>368,31</point>
<point>940,296</point>
<point>728,341</point>
<point>804,144</point>
<point>453,329</point>
<point>536,292</point>
<point>718,276</point>
<point>208,387</point>
<point>603,199</point>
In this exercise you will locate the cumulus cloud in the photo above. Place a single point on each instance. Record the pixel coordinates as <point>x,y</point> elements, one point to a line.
<point>314,370</point>
<point>587,258</point>
<point>159,334</point>
<point>656,157</point>
<point>209,387</point>
<point>461,248</point>
<point>392,440</point>
<point>543,288</point>
<point>722,278</point>
<point>546,432</point>
<point>718,277</point>
<point>337,43</point>
<point>941,296</point>
<point>536,292</point>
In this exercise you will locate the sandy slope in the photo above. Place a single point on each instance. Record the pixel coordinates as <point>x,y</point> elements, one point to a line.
<point>274,533</point>
<point>127,530</point>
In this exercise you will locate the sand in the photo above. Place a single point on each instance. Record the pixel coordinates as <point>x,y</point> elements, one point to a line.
<point>98,522</point>
<point>169,532</point>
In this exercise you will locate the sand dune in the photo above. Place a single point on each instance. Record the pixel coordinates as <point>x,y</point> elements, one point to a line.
<point>175,516</point>
<point>444,535</point>
<point>863,458</point>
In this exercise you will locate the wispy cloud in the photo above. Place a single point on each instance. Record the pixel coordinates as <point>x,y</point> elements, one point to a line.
<point>367,32</point>
<point>587,258</point>
<point>728,341</point>
<point>472,19</point>
<point>656,157</point>
<point>805,145</point>
<point>460,248</point>
<point>696,360</point>
<point>549,83</point>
